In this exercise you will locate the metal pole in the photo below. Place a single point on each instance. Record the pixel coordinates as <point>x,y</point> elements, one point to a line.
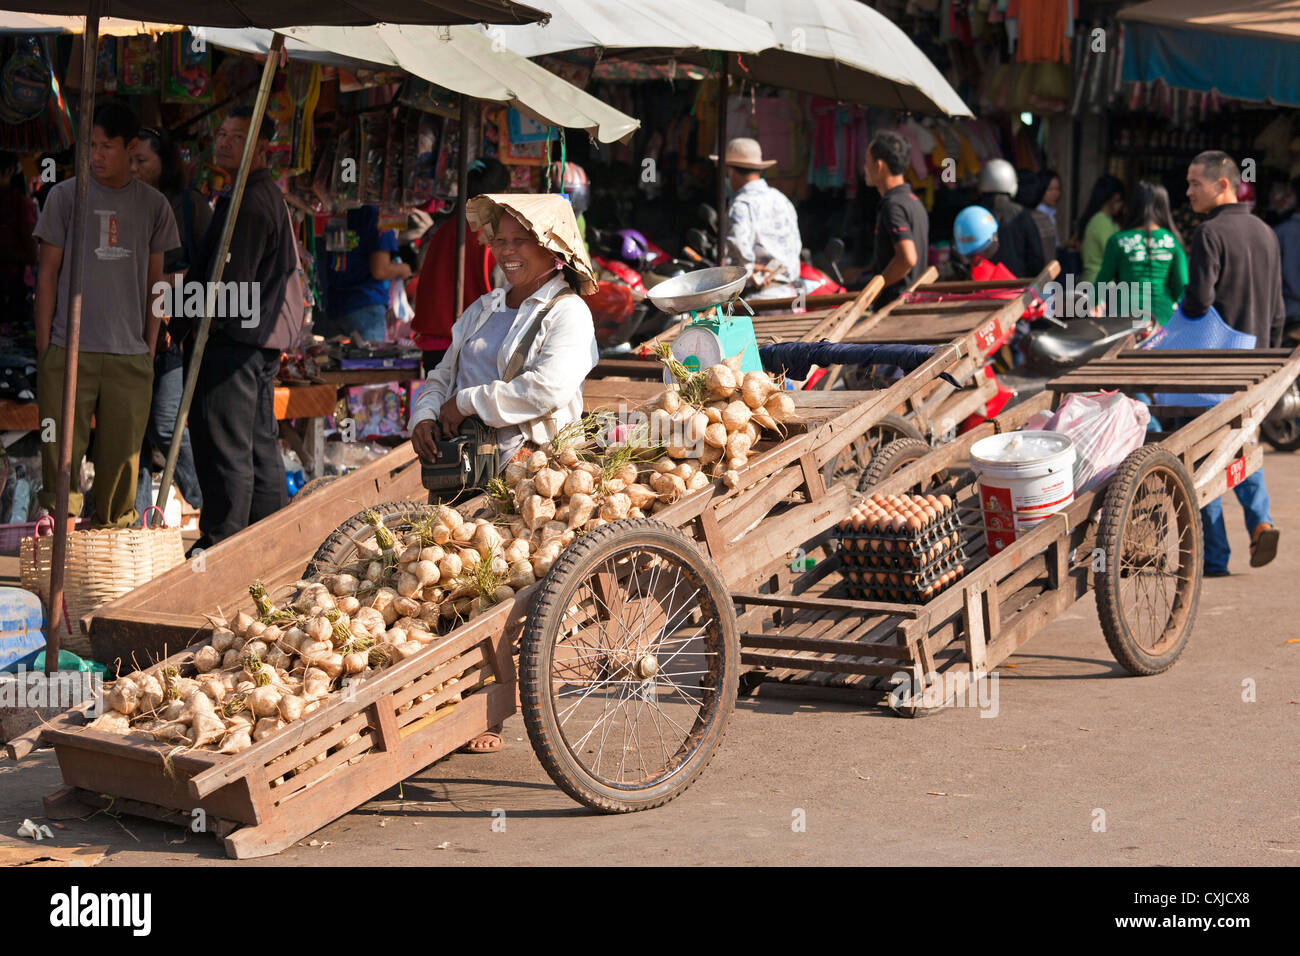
<point>72,338</point>
<point>722,164</point>
<point>462,187</point>
<point>219,261</point>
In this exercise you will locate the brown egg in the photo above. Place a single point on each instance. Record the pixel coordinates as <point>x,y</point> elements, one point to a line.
<point>930,514</point>
<point>913,524</point>
<point>945,502</point>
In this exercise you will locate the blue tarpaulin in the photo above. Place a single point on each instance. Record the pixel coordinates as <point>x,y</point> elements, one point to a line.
<point>1248,52</point>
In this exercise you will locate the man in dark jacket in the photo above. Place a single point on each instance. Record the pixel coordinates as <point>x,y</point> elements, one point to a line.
<point>1020,247</point>
<point>1234,266</point>
<point>232,422</point>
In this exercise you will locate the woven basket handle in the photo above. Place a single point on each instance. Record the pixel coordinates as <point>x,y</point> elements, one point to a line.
<point>46,523</point>
<point>144,518</point>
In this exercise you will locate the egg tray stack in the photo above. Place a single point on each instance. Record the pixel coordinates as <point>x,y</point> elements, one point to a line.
<point>903,549</point>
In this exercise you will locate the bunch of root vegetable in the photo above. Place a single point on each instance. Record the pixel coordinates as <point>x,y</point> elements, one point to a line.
<point>701,428</point>
<point>262,671</point>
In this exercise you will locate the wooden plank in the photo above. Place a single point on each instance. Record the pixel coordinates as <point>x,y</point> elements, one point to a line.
<point>795,662</point>
<point>822,645</point>
<point>822,603</point>
<point>974,633</point>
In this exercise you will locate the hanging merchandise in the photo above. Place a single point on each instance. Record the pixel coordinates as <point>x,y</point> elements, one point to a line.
<point>374,139</point>
<point>188,70</point>
<point>446,178</point>
<point>141,70</point>
<point>304,92</point>
<point>577,74</point>
<point>105,66</point>
<point>25,83</point>
<point>422,148</point>
<point>523,140</point>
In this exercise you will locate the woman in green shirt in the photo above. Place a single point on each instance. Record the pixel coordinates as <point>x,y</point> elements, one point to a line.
<point>1099,222</point>
<point>1148,252</point>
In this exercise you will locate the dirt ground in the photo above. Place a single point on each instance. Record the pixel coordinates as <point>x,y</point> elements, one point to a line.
<point>1081,765</point>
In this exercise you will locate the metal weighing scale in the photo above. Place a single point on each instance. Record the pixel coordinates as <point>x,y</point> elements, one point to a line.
<point>711,333</point>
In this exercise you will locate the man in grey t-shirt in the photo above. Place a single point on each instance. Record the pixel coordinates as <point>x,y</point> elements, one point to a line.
<point>129,227</point>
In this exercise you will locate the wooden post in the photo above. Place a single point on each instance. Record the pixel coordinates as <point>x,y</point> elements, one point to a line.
<point>722,161</point>
<point>72,335</point>
<point>219,261</point>
<point>462,187</point>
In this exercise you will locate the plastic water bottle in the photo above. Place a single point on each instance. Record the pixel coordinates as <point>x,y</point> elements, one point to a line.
<point>294,477</point>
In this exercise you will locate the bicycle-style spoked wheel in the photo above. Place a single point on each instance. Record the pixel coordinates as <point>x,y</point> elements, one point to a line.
<point>628,666</point>
<point>1150,535</point>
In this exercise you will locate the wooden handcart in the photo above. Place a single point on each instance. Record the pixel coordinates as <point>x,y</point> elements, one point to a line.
<point>629,653</point>
<point>1135,539</point>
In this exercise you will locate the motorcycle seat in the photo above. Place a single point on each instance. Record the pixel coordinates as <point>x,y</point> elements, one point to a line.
<point>1081,341</point>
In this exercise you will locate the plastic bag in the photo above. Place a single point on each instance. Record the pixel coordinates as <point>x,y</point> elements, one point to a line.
<point>1105,427</point>
<point>398,304</point>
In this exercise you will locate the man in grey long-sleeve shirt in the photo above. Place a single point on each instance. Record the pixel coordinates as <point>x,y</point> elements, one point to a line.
<point>1235,267</point>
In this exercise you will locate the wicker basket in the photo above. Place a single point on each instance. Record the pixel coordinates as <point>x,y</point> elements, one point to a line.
<point>101,565</point>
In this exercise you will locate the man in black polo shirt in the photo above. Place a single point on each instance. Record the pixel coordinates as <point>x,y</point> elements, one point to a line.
<point>1235,266</point>
<point>232,421</point>
<point>902,224</point>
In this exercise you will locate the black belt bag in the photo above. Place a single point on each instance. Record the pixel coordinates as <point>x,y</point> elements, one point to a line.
<point>467,462</point>
<point>472,459</point>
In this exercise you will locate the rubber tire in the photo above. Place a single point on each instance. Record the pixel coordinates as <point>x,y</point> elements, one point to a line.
<point>891,425</point>
<point>1114,515</point>
<point>338,549</point>
<point>546,614</point>
<point>1280,444</point>
<point>315,485</point>
<point>893,458</point>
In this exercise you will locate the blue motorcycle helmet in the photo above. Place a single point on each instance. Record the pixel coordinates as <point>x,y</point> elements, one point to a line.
<point>973,230</point>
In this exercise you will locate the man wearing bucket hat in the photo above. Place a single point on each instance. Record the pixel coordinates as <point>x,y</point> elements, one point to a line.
<point>518,356</point>
<point>763,229</point>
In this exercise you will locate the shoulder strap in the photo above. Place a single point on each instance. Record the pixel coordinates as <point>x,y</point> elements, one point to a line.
<point>516,364</point>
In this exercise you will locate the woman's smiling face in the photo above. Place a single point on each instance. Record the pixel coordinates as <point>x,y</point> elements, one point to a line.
<point>520,256</point>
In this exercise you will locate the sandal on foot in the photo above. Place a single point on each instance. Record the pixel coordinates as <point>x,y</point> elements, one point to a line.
<point>485,743</point>
<point>1263,545</point>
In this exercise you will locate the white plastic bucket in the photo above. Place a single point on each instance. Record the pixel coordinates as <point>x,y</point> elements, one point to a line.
<point>1023,478</point>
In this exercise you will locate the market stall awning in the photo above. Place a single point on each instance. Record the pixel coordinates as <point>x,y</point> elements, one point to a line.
<point>846,51</point>
<point>110,26</point>
<point>466,61</point>
<point>284,13</point>
<point>1244,51</point>
<point>643,25</point>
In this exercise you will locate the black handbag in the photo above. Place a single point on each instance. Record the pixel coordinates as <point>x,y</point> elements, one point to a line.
<point>471,459</point>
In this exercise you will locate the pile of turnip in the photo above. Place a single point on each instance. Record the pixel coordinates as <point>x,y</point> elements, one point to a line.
<point>403,588</point>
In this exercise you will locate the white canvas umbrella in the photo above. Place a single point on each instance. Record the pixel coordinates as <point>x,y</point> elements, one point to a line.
<point>108,26</point>
<point>458,58</point>
<point>847,51</point>
<point>644,25</point>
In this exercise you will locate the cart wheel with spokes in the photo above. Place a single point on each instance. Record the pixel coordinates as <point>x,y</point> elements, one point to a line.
<point>1150,536</point>
<point>628,666</point>
<point>340,547</point>
<point>850,464</point>
<point>893,458</point>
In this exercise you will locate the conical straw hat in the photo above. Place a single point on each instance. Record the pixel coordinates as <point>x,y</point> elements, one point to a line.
<point>548,216</point>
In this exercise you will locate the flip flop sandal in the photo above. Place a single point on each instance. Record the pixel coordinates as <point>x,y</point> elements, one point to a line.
<point>1264,548</point>
<point>469,748</point>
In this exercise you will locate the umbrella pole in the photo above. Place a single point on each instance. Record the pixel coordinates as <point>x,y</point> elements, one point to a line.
<point>722,164</point>
<point>72,341</point>
<point>219,262</point>
<point>462,186</point>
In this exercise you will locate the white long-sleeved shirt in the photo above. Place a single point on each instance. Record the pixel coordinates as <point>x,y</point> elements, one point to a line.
<point>547,394</point>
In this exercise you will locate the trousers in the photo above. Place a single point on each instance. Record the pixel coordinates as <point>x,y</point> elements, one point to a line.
<point>115,391</point>
<point>1253,496</point>
<point>236,439</point>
